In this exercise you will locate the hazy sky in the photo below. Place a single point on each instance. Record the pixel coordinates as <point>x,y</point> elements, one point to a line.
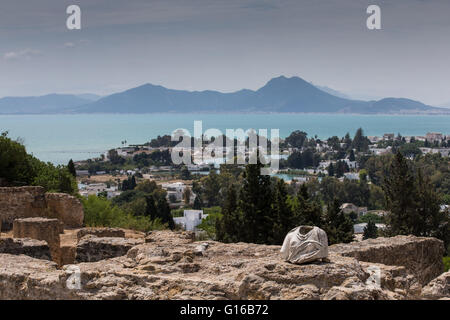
<point>226,45</point>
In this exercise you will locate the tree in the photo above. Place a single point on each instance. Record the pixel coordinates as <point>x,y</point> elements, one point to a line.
<point>211,189</point>
<point>198,205</point>
<point>399,188</point>
<point>71,168</point>
<point>163,211</point>
<point>187,196</point>
<point>331,170</point>
<point>351,157</point>
<point>413,203</point>
<point>338,226</point>
<point>282,213</point>
<point>296,139</point>
<point>307,211</point>
<point>255,201</point>
<point>15,164</point>
<point>129,184</point>
<point>150,209</point>
<point>185,173</point>
<point>360,142</point>
<point>347,141</point>
<point>114,157</point>
<point>370,230</point>
<point>229,226</point>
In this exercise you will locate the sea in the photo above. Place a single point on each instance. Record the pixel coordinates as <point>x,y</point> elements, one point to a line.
<point>59,138</point>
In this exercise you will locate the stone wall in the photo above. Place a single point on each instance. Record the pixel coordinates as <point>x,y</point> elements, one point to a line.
<point>40,229</point>
<point>27,202</point>
<point>21,202</point>
<point>65,208</point>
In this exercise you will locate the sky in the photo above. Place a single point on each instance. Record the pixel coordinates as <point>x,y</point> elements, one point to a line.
<point>226,45</point>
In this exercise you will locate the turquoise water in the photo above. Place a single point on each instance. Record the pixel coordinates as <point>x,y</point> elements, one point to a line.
<point>58,138</point>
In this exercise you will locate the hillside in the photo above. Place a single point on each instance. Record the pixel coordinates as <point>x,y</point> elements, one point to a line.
<point>51,103</point>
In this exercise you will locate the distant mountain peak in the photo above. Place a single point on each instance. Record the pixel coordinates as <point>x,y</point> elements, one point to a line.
<point>279,94</point>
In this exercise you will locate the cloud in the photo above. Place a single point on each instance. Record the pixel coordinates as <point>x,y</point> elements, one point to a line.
<point>69,44</point>
<point>26,54</point>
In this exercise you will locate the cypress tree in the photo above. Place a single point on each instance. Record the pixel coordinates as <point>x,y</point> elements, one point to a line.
<point>228,227</point>
<point>338,225</point>
<point>400,191</point>
<point>163,209</point>
<point>71,168</point>
<point>331,170</point>
<point>351,157</point>
<point>255,201</point>
<point>150,210</point>
<point>370,231</point>
<point>282,213</point>
<point>198,205</point>
<point>307,211</point>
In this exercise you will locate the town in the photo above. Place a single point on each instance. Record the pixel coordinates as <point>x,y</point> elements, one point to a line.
<point>303,160</point>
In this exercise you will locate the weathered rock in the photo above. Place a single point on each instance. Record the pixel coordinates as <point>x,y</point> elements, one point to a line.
<point>92,248</point>
<point>27,202</point>
<point>65,208</point>
<point>40,229</point>
<point>171,266</point>
<point>101,232</point>
<point>67,255</point>
<point>419,255</point>
<point>21,202</point>
<point>34,248</point>
<point>438,288</point>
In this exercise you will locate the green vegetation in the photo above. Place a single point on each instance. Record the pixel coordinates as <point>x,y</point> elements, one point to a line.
<point>147,199</point>
<point>413,205</point>
<point>18,168</point>
<point>446,261</point>
<point>262,211</point>
<point>370,231</point>
<point>99,212</point>
<point>209,223</point>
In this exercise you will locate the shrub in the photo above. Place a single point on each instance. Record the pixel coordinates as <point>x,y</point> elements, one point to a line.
<point>446,263</point>
<point>99,212</point>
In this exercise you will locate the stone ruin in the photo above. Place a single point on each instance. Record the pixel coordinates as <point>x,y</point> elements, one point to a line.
<point>171,265</point>
<point>28,202</point>
<point>119,264</point>
<point>40,229</point>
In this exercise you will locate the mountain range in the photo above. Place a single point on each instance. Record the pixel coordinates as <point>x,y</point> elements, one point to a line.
<point>281,94</point>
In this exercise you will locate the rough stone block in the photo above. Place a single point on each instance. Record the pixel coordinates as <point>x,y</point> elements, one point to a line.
<point>420,256</point>
<point>34,248</point>
<point>91,248</point>
<point>67,255</point>
<point>101,232</point>
<point>66,208</point>
<point>40,229</point>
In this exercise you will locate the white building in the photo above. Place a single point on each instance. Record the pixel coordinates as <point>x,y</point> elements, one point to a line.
<point>351,176</point>
<point>177,190</point>
<point>190,220</point>
<point>359,227</point>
